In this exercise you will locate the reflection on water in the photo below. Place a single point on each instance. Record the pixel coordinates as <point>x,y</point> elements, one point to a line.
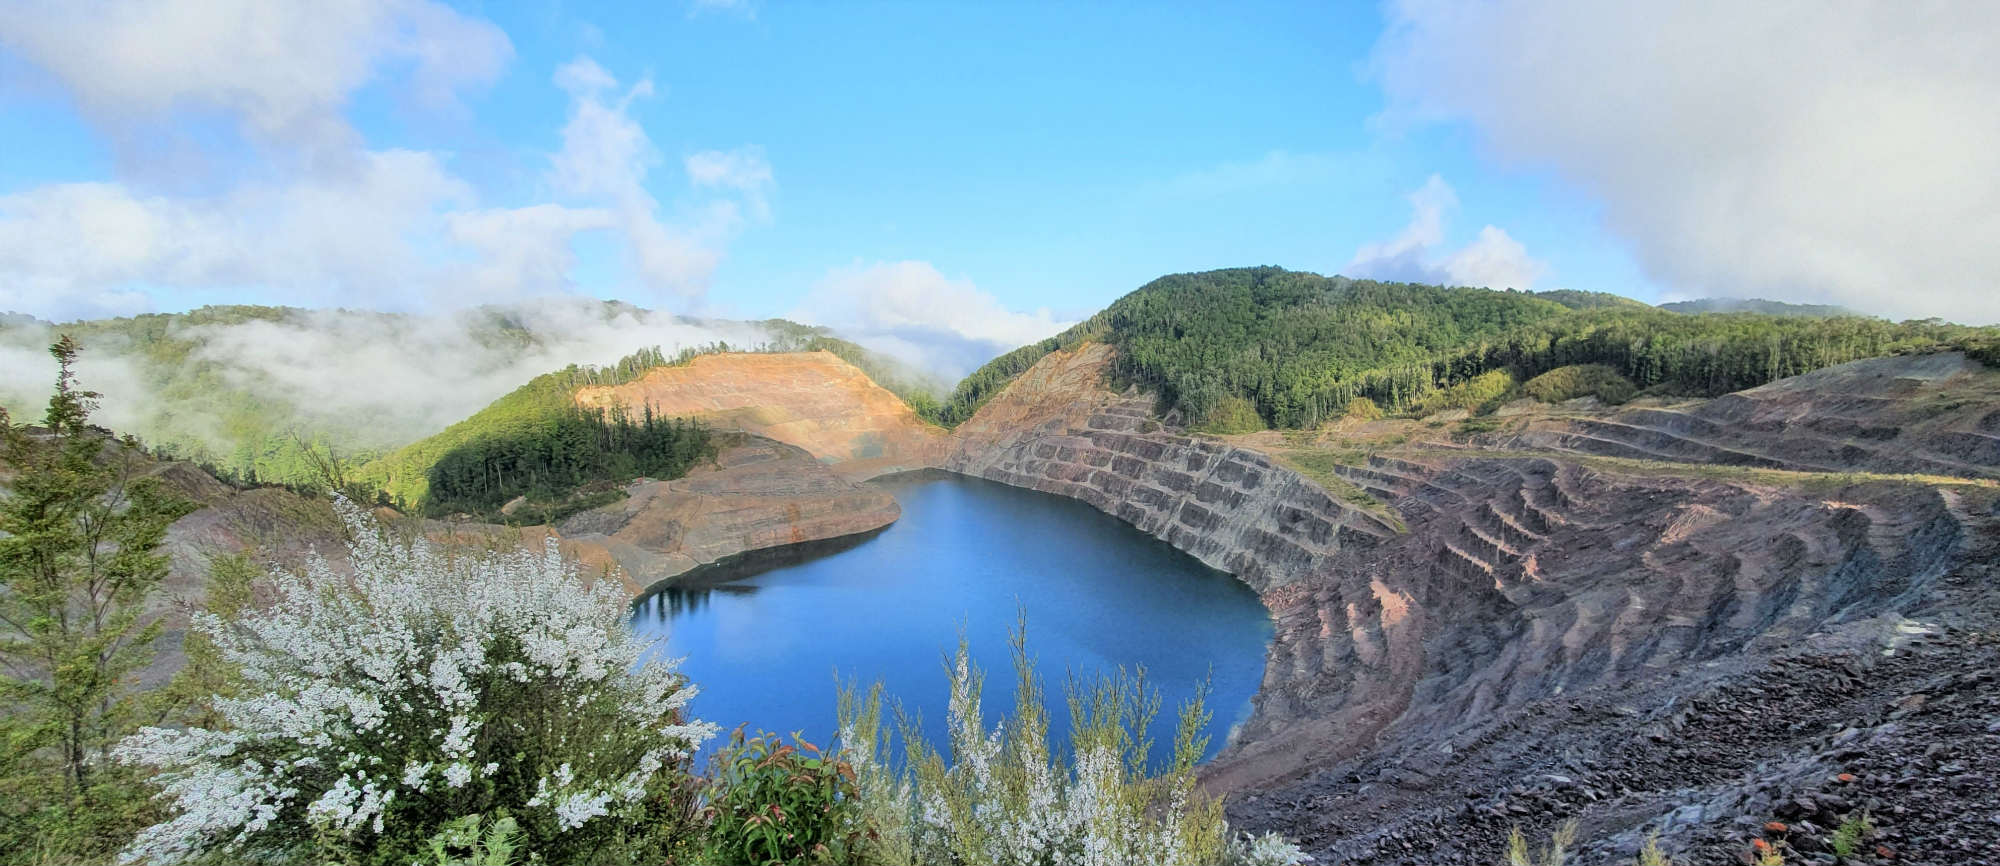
<point>673,601</point>
<point>763,636</point>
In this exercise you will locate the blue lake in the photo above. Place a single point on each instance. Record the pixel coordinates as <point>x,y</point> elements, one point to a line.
<point>764,638</point>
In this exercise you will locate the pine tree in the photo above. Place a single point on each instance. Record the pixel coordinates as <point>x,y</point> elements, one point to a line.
<point>79,540</point>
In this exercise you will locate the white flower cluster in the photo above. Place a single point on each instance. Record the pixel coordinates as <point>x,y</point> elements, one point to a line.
<point>393,682</point>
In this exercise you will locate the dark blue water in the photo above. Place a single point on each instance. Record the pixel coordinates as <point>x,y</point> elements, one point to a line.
<point>966,555</point>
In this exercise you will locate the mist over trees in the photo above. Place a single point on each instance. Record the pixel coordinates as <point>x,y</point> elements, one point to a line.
<point>252,391</point>
<point>80,537</point>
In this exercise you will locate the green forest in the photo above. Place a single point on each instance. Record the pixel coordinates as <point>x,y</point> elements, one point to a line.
<point>1251,347</point>
<point>547,463</point>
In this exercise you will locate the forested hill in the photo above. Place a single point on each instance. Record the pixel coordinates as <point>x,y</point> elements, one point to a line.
<point>1252,347</point>
<point>268,393</point>
<point>169,379</point>
<point>537,442</point>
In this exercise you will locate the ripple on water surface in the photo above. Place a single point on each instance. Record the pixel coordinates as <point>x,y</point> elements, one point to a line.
<point>763,639</point>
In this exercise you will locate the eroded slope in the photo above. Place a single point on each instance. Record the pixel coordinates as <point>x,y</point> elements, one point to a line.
<point>813,400</point>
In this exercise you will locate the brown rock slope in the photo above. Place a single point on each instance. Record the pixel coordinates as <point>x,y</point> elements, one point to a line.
<point>1564,587</point>
<point>759,494</point>
<point>813,400</point>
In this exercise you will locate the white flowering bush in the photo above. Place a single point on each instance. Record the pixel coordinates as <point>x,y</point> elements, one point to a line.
<point>1003,798</point>
<point>382,708</point>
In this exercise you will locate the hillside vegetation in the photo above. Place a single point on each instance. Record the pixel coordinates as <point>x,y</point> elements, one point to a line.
<point>1235,349</point>
<point>535,440</point>
<point>198,408</point>
<point>268,394</point>
<point>549,464</point>
<point>1231,350</point>
<point>982,384</point>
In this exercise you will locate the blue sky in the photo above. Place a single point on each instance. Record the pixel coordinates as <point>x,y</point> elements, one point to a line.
<point>985,170</point>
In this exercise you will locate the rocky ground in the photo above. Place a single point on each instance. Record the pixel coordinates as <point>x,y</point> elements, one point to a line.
<point>759,494</point>
<point>1890,720</point>
<point>1750,618</point>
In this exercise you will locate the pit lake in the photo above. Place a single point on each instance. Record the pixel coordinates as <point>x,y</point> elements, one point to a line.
<point>763,637</point>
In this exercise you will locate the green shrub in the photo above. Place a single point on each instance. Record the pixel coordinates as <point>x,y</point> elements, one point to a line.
<point>1653,854</point>
<point>1580,380</point>
<point>461,844</point>
<point>1847,838</point>
<point>1556,853</point>
<point>1232,414</point>
<point>1362,409</point>
<point>770,802</point>
<point>1474,426</point>
<point>1481,393</point>
<point>1985,351</point>
<point>1005,796</point>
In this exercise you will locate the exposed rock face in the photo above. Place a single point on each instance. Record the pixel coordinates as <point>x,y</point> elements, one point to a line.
<point>760,494</point>
<point>813,400</point>
<point>1571,561</point>
<point>1056,430</point>
<point>1928,414</point>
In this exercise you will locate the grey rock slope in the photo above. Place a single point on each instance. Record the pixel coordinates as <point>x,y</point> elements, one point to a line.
<point>1563,598</point>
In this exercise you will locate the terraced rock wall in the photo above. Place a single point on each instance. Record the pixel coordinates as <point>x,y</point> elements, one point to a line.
<point>1929,414</point>
<point>1608,564</point>
<point>1056,431</point>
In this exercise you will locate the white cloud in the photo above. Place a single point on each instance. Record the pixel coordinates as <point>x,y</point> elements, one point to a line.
<point>335,235</point>
<point>1493,260</point>
<point>406,375</point>
<point>284,71</point>
<point>521,252</point>
<point>606,157</point>
<point>912,312</point>
<point>1840,152</point>
<point>313,217</point>
<point>743,170</point>
<point>420,373</point>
